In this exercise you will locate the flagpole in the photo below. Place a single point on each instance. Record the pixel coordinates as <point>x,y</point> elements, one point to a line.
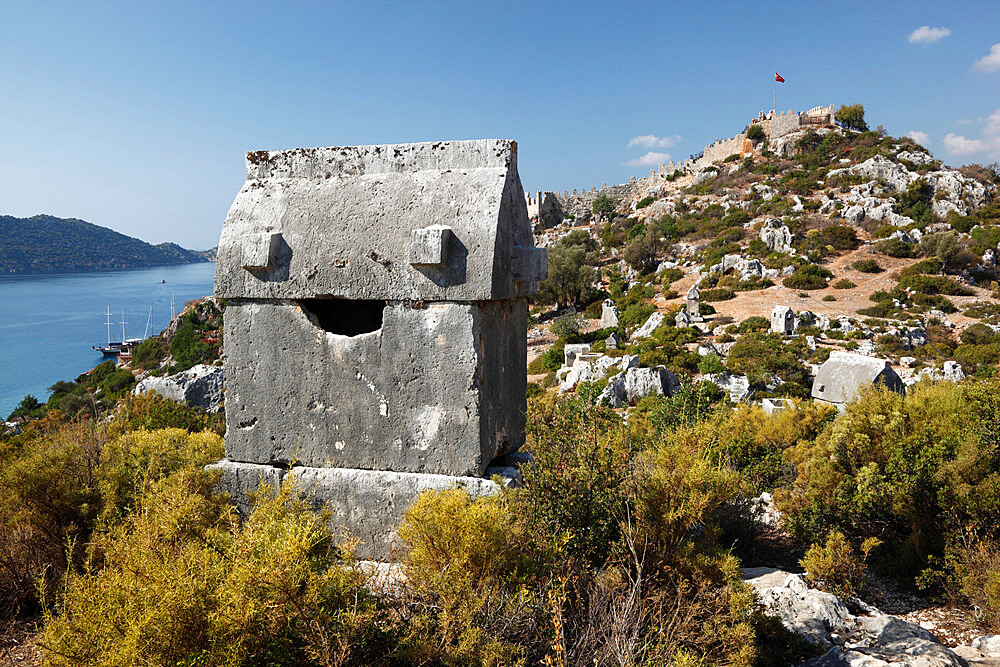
<point>774,94</point>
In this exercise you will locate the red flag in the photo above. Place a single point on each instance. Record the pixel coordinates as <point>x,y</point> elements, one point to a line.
<point>777,77</point>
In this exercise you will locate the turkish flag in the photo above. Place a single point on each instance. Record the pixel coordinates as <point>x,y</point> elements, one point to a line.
<point>777,77</point>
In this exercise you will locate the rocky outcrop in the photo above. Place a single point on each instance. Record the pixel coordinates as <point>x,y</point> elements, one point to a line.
<point>738,386</point>
<point>823,619</point>
<point>648,327</point>
<point>635,383</point>
<point>591,370</point>
<point>198,387</point>
<point>776,236</point>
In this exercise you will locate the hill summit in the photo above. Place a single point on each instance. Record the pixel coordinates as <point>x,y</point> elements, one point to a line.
<point>47,244</point>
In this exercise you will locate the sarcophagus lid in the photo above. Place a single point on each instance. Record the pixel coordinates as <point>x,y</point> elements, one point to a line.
<point>442,221</point>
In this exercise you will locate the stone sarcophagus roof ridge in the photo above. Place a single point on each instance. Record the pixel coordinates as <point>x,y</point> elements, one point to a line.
<point>431,221</point>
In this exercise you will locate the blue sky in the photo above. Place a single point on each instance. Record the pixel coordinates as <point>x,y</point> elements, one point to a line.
<point>136,116</point>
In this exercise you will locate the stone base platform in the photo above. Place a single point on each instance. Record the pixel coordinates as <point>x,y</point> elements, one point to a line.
<point>365,504</point>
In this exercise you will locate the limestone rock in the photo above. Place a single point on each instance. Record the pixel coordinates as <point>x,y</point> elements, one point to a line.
<point>592,370</point>
<point>199,387</point>
<point>916,157</point>
<point>988,645</point>
<point>882,168</point>
<point>854,214</point>
<point>635,383</point>
<point>648,327</point>
<point>953,371</point>
<point>776,236</point>
<point>803,610</point>
<point>738,386</point>
<point>824,620</point>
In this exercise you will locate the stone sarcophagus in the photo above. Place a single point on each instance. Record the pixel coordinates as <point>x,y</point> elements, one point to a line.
<point>375,325</point>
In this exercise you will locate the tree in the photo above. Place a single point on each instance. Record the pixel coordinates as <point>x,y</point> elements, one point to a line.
<point>28,407</point>
<point>852,117</point>
<point>756,133</point>
<point>571,276</point>
<point>604,206</point>
<point>641,251</point>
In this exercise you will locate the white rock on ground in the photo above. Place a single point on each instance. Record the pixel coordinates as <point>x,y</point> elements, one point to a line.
<point>199,387</point>
<point>823,619</point>
<point>635,383</point>
<point>648,327</point>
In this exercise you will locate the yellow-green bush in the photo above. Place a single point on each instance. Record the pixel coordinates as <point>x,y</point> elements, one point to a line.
<point>60,481</point>
<point>834,567</point>
<point>474,563</point>
<point>182,583</point>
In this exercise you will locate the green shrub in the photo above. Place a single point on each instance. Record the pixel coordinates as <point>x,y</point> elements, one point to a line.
<point>909,470</point>
<point>754,323</point>
<point>867,266</point>
<point>720,294</point>
<point>641,252</point>
<point>756,133</point>
<point>834,567</point>
<point>932,285</point>
<point>576,483</point>
<point>916,201</point>
<point>759,355</point>
<point>567,326</point>
<point>645,201</point>
<point>807,277</point>
<point>895,248</point>
<point>711,363</point>
<point>844,283</point>
<point>571,271</point>
<point>604,206</point>
<point>670,276</point>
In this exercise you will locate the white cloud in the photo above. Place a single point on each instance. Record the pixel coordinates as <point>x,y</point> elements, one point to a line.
<point>988,144</point>
<point>650,159</point>
<point>927,35</point>
<point>653,141</point>
<point>918,136</point>
<point>991,61</point>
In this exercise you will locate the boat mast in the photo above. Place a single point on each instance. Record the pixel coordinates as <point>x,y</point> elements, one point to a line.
<point>149,320</point>
<point>171,307</point>
<point>123,325</point>
<point>109,325</point>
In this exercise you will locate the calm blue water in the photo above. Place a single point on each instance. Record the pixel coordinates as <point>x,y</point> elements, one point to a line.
<point>48,323</point>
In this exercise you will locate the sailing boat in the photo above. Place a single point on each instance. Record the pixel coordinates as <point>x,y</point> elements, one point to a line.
<point>113,347</point>
<point>125,345</point>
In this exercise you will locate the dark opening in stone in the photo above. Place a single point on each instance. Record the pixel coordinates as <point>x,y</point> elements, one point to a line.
<point>345,317</point>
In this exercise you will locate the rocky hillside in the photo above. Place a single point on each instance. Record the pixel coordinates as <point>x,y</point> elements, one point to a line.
<point>46,244</point>
<point>873,245</point>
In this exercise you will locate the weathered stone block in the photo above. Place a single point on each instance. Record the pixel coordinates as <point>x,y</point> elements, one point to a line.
<point>429,246</point>
<point>430,390</point>
<point>364,504</point>
<point>375,331</point>
<point>260,251</point>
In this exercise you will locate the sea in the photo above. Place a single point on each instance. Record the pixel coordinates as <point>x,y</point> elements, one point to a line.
<point>49,323</point>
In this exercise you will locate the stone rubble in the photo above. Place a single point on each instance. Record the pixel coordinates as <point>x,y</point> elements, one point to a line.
<point>198,387</point>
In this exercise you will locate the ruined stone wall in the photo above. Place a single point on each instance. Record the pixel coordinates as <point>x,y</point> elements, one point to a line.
<point>722,149</point>
<point>781,124</point>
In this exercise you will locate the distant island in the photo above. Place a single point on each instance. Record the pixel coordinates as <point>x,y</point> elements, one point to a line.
<point>47,244</point>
